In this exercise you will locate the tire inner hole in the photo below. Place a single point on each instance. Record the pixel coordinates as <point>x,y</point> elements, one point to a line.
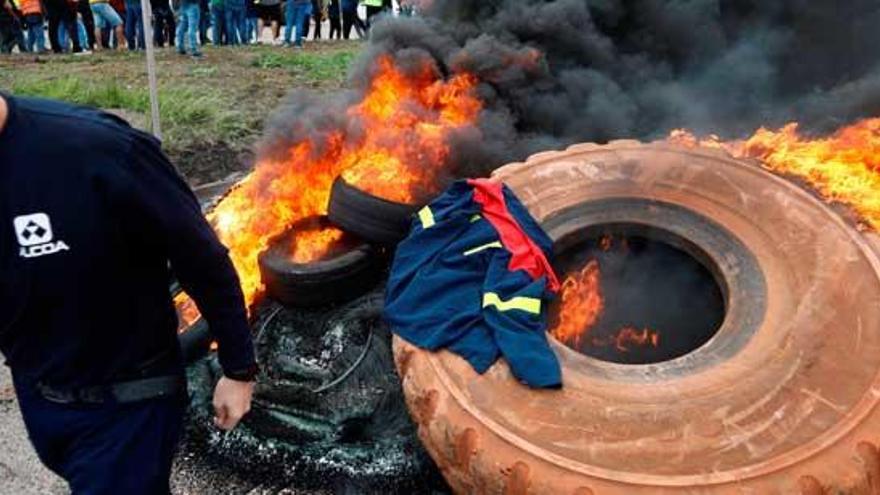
<point>634,294</point>
<point>314,239</point>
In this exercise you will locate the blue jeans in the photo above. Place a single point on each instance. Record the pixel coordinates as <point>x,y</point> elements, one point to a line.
<point>105,15</point>
<point>134,27</point>
<point>64,37</point>
<point>219,29</point>
<point>252,27</point>
<point>36,40</point>
<point>188,25</point>
<point>236,27</point>
<point>295,14</point>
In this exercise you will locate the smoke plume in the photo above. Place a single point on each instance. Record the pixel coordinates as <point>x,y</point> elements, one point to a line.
<point>557,72</point>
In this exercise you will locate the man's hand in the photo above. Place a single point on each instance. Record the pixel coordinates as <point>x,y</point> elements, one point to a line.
<point>232,400</point>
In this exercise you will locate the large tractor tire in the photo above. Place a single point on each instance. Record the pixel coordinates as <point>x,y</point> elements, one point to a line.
<point>782,400</point>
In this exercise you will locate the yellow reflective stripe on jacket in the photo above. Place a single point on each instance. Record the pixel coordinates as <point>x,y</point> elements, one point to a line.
<point>496,244</point>
<point>527,304</point>
<point>476,218</point>
<point>427,217</point>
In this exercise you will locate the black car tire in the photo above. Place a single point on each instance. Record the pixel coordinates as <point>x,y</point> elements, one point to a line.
<point>374,219</point>
<point>331,281</point>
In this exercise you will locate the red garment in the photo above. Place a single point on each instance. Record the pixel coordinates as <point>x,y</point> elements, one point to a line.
<point>29,7</point>
<point>119,7</point>
<point>525,254</point>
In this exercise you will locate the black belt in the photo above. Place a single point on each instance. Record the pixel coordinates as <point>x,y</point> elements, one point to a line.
<point>121,393</point>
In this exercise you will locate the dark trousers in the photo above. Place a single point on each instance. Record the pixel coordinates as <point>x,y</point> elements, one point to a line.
<point>371,13</point>
<point>164,27</point>
<point>236,29</point>
<point>204,21</point>
<point>335,27</point>
<point>105,449</point>
<point>59,11</point>
<point>7,37</point>
<point>316,15</point>
<point>85,11</point>
<point>349,19</point>
<point>134,27</point>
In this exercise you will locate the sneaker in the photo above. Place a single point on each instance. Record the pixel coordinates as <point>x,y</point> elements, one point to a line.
<point>84,52</point>
<point>181,52</point>
<point>197,55</point>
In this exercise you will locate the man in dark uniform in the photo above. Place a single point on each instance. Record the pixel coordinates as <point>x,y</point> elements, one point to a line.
<point>91,215</point>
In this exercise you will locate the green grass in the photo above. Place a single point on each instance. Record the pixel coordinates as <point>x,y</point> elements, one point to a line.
<point>317,67</point>
<point>187,115</point>
<point>83,92</point>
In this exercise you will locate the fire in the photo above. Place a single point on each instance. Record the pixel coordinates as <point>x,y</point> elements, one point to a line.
<point>400,155</point>
<point>410,168</point>
<point>187,312</point>
<point>843,167</point>
<point>582,304</point>
<point>627,337</point>
<point>310,245</point>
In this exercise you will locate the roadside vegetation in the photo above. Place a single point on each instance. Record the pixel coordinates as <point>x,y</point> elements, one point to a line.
<point>212,110</point>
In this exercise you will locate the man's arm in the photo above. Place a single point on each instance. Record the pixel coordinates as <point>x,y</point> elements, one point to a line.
<point>167,210</point>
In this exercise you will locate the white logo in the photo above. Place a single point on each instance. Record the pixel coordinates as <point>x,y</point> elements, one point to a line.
<point>35,236</point>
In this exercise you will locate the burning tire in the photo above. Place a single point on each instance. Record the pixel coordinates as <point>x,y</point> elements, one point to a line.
<point>336,267</point>
<point>372,218</point>
<point>782,398</point>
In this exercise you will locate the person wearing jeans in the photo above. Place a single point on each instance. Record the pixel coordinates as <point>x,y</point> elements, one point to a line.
<point>251,20</point>
<point>134,25</point>
<point>32,13</point>
<point>58,12</point>
<point>187,26</point>
<point>64,36</point>
<point>88,20</point>
<point>236,23</point>
<point>106,15</point>
<point>219,29</point>
<point>296,13</point>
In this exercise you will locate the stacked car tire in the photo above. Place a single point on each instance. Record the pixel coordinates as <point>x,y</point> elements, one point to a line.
<point>372,226</point>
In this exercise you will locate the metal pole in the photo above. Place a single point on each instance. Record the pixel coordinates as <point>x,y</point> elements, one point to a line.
<point>147,13</point>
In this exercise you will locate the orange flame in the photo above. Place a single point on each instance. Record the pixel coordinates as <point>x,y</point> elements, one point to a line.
<point>844,167</point>
<point>400,156</point>
<point>311,245</point>
<point>581,304</point>
<point>187,312</point>
<point>628,337</point>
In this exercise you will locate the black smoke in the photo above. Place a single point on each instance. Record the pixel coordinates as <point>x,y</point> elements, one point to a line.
<point>557,72</point>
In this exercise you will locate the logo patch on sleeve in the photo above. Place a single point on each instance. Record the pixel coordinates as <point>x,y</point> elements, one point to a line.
<point>35,236</point>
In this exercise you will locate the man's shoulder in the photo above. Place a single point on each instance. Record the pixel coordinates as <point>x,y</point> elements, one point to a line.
<point>68,114</point>
<point>68,122</point>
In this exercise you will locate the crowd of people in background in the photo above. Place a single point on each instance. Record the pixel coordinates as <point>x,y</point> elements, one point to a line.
<point>83,26</point>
